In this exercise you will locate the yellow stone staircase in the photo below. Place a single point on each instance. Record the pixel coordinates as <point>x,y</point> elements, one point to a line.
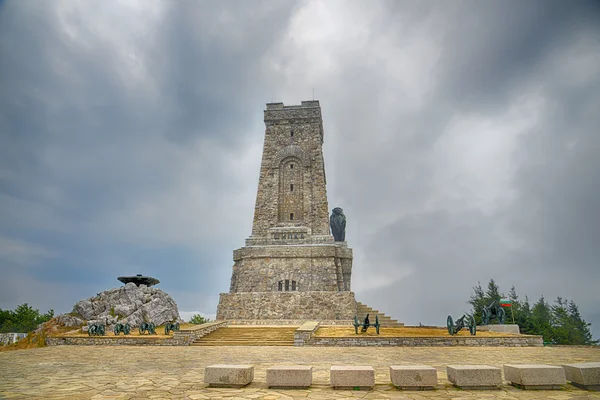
<point>249,335</point>
<point>384,320</point>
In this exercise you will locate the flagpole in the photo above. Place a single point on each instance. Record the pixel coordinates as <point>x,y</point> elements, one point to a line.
<point>512,312</point>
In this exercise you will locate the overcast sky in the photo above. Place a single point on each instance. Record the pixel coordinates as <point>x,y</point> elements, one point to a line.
<point>461,139</point>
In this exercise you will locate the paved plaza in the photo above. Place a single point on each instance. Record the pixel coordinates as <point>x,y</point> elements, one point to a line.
<point>120,372</point>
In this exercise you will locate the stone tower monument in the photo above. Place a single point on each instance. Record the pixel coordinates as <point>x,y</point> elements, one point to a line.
<point>291,267</point>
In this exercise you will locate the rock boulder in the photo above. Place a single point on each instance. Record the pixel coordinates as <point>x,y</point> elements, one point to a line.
<point>128,304</point>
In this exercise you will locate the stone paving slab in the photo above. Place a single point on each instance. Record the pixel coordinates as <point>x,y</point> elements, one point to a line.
<point>133,372</point>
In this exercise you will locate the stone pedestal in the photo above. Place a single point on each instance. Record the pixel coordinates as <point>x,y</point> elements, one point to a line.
<point>535,376</point>
<point>235,376</point>
<point>469,377</point>
<point>295,376</point>
<point>352,377</point>
<point>584,375</point>
<point>413,377</point>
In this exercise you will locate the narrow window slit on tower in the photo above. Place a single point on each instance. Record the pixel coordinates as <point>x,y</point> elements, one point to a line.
<point>293,285</point>
<point>280,286</point>
<point>292,187</point>
<point>287,285</point>
<point>291,166</point>
<point>291,133</point>
<point>291,216</point>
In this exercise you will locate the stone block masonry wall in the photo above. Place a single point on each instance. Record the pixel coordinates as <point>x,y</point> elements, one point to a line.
<point>9,338</point>
<point>527,341</point>
<point>312,267</point>
<point>287,305</point>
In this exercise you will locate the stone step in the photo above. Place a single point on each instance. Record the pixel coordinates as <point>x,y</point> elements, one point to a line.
<point>249,335</point>
<point>362,310</point>
<point>243,343</point>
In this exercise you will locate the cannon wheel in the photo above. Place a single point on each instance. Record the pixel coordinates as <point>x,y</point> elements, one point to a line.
<point>485,316</point>
<point>377,323</point>
<point>501,315</point>
<point>116,330</point>
<point>167,328</point>
<point>472,326</point>
<point>127,329</point>
<point>176,326</point>
<point>151,327</point>
<point>90,332</point>
<point>450,324</point>
<point>356,324</point>
<point>141,329</point>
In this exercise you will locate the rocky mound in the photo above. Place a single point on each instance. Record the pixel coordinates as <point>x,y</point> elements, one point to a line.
<point>128,304</point>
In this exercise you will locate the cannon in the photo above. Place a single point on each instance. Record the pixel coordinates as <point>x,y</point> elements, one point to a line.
<point>147,327</point>
<point>96,330</point>
<point>492,311</point>
<point>171,327</point>
<point>119,327</point>
<point>365,325</point>
<point>464,321</point>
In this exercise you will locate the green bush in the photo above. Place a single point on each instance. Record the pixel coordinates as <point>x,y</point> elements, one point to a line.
<point>23,319</point>
<point>198,319</point>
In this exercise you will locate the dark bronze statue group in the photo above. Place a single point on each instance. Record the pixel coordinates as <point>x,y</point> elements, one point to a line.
<point>145,327</point>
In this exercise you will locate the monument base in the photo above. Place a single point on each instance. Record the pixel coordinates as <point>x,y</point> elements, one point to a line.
<point>286,305</point>
<point>507,328</point>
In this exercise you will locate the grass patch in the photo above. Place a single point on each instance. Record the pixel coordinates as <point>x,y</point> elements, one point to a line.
<point>348,331</point>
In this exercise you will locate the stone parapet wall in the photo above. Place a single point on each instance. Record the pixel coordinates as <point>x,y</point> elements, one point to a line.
<point>291,322</point>
<point>304,332</point>
<point>287,305</point>
<point>107,341</point>
<point>524,341</point>
<point>183,337</point>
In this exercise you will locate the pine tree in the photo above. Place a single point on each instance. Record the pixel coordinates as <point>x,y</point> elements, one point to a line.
<point>583,335</point>
<point>524,319</point>
<point>540,319</point>
<point>477,301</point>
<point>493,292</point>
<point>562,329</point>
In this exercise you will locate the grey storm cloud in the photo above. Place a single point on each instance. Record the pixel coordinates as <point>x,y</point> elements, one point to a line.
<point>460,139</point>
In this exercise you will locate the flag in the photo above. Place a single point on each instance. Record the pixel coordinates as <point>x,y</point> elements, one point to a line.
<point>504,302</point>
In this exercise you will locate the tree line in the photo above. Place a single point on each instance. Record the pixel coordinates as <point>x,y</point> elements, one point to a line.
<point>22,319</point>
<point>558,323</point>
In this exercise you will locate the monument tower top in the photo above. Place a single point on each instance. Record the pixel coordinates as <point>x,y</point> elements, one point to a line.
<point>291,200</point>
